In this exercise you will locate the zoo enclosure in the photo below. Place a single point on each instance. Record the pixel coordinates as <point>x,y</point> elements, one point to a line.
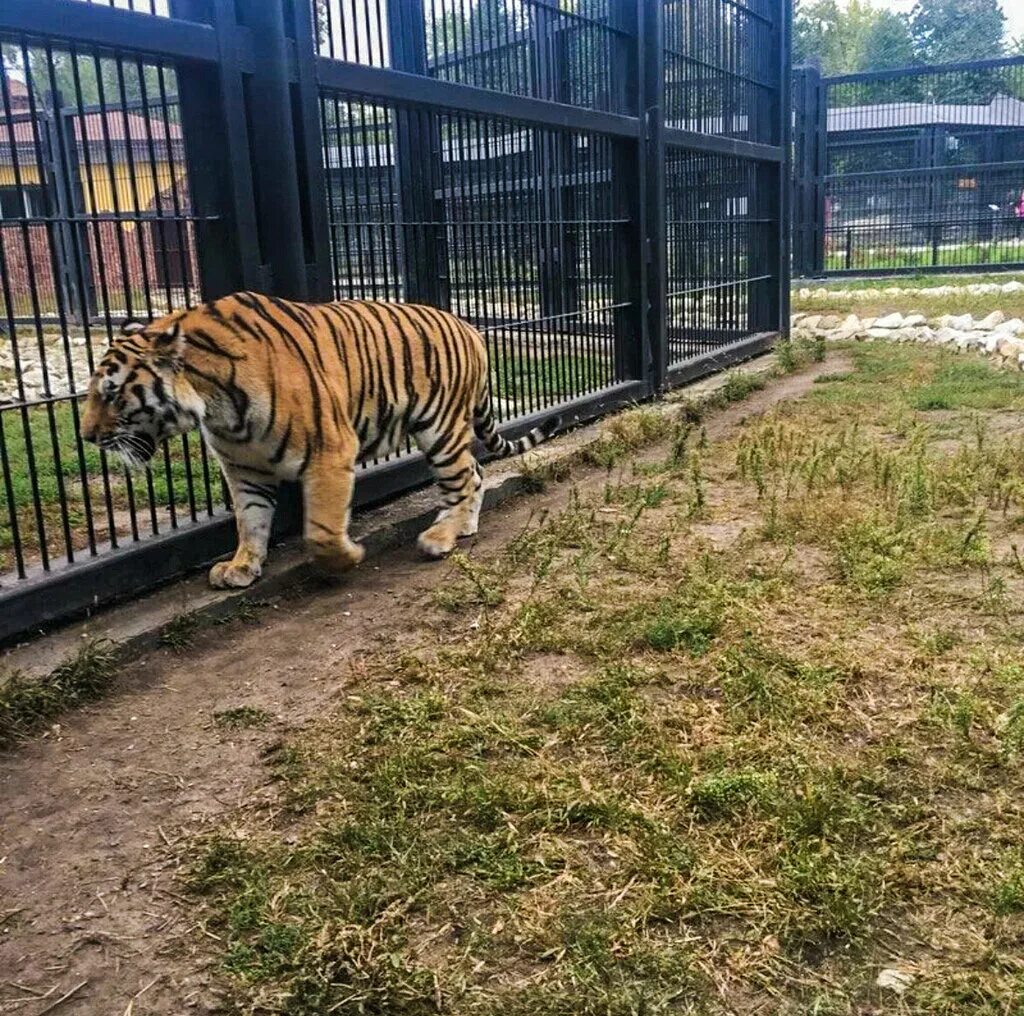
<point>598,185</point>
<point>919,169</point>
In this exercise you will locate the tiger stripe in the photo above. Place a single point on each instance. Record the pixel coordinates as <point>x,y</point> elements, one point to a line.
<point>291,391</point>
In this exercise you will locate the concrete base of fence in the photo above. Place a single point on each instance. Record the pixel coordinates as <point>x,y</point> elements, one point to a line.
<point>137,627</point>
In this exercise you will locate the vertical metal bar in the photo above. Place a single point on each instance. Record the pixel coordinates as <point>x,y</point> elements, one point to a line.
<point>629,199</point>
<point>785,98</point>
<point>310,164</point>
<point>217,156</point>
<point>651,32</point>
<point>416,154</point>
<point>272,136</point>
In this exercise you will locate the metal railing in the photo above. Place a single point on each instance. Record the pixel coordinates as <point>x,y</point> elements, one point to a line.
<point>919,169</point>
<point>597,186</point>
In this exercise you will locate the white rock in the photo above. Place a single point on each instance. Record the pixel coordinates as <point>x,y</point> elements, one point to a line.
<point>881,333</point>
<point>997,317</point>
<point>889,321</point>
<point>810,322</point>
<point>1012,287</point>
<point>851,321</point>
<point>866,323</point>
<point>925,334</point>
<point>1014,326</point>
<point>1010,349</point>
<point>830,321</point>
<point>842,334</point>
<point>894,980</point>
<point>993,340</point>
<point>962,323</point>
<point>914,321</point>
<point>821,294</point>
<point>804,293</point>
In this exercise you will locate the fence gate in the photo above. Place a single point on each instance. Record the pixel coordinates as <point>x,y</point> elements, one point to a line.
<point>597,185</point>
<point>913,170</point>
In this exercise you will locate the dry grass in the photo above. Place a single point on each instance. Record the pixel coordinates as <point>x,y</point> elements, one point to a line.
<point>778,748</point>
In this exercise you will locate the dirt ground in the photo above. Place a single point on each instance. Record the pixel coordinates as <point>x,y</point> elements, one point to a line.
<point>92,812</point>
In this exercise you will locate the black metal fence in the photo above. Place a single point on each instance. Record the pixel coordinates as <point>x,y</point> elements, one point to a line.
<point>596,184</point>
<point>913,170</point>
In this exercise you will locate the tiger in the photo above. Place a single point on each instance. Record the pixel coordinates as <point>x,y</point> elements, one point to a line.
<point>289,391</point>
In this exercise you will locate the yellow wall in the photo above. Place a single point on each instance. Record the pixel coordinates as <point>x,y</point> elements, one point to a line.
<point>103,188</point>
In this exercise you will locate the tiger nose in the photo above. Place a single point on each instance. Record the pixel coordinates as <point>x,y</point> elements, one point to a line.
<point>90,432</point>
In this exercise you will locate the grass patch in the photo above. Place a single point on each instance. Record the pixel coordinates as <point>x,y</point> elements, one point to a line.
<point>29,704</point>
<point>47,459</point>
<point>180,632</point>
<point>725,731</point>
<point>242,718</point>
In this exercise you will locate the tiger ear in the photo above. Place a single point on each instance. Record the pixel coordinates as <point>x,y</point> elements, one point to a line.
<point>168,345</point>
<point>131,327</point>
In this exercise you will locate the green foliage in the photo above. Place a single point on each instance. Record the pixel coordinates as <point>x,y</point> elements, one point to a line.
<point>947,31</point>
<point>850,37</point>
<point>862,35</point>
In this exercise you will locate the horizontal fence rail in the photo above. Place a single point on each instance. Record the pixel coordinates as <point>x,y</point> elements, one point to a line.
<point>912,170</point>
<point>597,186</point>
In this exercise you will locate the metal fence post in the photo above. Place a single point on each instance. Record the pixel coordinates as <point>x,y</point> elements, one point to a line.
<point>217,157</point>
<point>784,58</point>
<point>652,113</point>
<point>310,158</point>
<point>272,137</point>
<point>628,248</point>
<point>768,239</point>
<point>417,157</point>
<point>810,122</point>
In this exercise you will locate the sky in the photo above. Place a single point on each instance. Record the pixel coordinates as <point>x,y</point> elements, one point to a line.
<point>1013,9</point>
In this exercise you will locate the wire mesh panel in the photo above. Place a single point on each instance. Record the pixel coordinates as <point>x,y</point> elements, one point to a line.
<point>716,295</point>
<point>925,169</point>
<point>721,74</point>
<point>509,226</point>
<point>573,53</point>
<point>95,226</point>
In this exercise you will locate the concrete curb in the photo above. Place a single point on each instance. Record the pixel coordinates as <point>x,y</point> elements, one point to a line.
<point>138,627</point>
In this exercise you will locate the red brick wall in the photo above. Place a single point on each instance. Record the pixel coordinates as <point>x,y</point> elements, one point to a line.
<point>126,253</point>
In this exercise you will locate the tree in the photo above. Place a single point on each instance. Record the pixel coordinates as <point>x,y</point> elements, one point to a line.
<point>887,43</point>
<point>948,31</point>
<point>831,35</point>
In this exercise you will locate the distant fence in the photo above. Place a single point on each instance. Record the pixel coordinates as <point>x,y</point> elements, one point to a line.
<point>913,170</point>
<point>600,186</point>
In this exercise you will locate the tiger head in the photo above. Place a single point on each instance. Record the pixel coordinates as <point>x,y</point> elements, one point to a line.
<point>137,396</point>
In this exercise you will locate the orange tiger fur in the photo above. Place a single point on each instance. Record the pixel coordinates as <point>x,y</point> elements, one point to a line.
<point>292,391</point>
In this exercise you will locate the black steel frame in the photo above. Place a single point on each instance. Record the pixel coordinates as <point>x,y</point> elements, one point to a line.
<point>249,86</point>
<point>819,176</point>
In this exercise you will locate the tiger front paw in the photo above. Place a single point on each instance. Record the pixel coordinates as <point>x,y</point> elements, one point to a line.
<point>228,575</point>
<point>438,540</point>
<point>336,559</point>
